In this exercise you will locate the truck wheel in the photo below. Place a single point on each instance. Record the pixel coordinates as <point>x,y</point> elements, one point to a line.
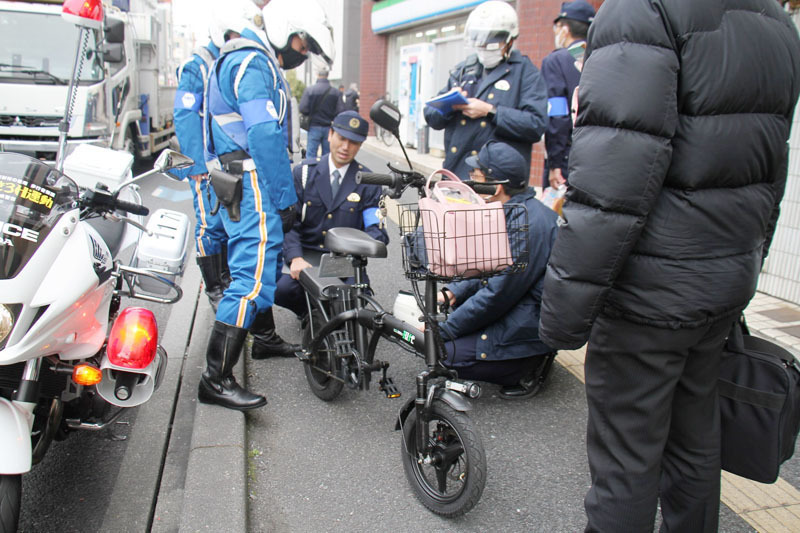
<point>10,501</point>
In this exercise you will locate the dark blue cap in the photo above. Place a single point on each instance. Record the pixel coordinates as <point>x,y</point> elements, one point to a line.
<point>499,161</point>
<point>579,10</point>
<point>351,125</point>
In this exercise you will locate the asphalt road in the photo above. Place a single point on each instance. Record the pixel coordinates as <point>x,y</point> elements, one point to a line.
<point>70,489</point>
<point>317,466</point>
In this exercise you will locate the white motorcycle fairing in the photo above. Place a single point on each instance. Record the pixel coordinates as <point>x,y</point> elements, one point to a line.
<point>15,438</point>
<point>63,278</point>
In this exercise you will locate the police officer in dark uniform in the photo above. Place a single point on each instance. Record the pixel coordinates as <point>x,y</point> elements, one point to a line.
<point>507,96</point>
<point>562,72</point>
<point>493,333</point>
<point>328,197</point>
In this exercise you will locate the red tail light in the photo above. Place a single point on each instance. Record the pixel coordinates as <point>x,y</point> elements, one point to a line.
<point>88,13</point>
<point>134,339</point>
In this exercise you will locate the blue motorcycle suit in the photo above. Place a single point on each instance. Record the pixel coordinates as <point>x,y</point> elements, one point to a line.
<point>209,232</point>
<point>248,112</point>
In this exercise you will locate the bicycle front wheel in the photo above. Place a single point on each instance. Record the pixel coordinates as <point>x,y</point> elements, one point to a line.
<point>448,477</point>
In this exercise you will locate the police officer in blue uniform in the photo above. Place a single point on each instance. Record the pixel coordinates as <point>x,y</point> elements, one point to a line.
<point>507,97</point>
<point>493,333</point>
<point>209,232</point>
<point>247,131</point>
<point>561,71</point>
<point>328,197</point>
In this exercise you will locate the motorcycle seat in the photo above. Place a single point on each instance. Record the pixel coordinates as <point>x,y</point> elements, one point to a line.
<point>111,232</point>
<point>351,241</point>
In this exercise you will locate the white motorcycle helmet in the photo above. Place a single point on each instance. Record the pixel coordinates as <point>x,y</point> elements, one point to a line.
<point>305,18</point>
<point>491,26</point>
<point>234,15</point>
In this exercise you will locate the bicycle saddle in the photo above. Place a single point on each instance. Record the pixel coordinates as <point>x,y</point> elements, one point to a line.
<point>354,242</point>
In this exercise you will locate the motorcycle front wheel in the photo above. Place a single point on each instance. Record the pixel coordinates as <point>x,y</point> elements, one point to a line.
<point>10,501</point>
<point>449,477</point>
<point>322,363</point>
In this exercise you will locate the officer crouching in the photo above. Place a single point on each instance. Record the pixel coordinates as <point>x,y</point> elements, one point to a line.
<point>328,197</point>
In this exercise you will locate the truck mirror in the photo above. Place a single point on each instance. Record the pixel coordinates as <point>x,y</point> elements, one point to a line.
<point>112,52</point>
<point>114,30</point>
<point>170,159</point>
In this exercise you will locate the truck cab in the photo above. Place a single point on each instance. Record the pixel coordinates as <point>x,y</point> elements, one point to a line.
<point>125,90</point>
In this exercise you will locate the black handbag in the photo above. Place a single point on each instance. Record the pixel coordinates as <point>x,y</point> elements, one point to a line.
<point>305,120</point>
<point>759,397</point>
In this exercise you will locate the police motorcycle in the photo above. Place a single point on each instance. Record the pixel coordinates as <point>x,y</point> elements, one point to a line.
<point>71,358</point>
<point>441,450</point>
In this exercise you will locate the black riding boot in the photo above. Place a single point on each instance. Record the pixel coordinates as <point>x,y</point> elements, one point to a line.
<point>266,341</point>
<point>225,275</point>
<point>211,270</point>
<point>217,385</point>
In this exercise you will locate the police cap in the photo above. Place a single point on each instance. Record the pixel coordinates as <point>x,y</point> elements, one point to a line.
<point>351,125</point>
<point>499,162</point>
<point>579,10</point>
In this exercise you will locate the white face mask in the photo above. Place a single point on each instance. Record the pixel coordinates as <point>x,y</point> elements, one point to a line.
<point>561,37</point>
<point>489,58</point>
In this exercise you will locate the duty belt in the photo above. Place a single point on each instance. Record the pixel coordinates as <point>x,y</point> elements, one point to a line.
<point>237,162</point>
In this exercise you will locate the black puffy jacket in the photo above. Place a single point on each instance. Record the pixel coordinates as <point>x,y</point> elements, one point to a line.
<point>678,164</point>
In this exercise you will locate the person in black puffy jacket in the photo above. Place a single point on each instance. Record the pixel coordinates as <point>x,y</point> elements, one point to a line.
<point>678,165</point>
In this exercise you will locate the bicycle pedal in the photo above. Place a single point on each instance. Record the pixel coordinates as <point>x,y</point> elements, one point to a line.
<point>388,387</point>
<point>303,355</point>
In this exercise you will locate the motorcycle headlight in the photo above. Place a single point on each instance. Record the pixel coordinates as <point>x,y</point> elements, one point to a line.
<point>6,322</point>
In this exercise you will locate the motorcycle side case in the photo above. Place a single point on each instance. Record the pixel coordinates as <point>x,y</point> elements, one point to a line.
<point>165,249</point>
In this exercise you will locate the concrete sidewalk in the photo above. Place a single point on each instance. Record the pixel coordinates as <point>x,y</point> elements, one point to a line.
<point>204,486</point>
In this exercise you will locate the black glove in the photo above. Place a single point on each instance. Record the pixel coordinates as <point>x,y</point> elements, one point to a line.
<point>288,217</point>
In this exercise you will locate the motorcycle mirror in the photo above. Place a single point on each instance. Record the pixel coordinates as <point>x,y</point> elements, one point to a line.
<point>83,13</point>
<point>386,115</point>
<point>170,159</point>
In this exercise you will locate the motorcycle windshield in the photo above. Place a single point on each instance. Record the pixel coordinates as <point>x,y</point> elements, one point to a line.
<point>33,196</point>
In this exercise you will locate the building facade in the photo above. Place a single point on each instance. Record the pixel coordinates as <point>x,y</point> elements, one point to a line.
<point>413,44</point>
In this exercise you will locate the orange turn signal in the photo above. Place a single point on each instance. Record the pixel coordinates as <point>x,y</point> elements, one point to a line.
<point>87,375</point>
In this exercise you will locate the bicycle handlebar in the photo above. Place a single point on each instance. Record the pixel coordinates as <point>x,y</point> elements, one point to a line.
<point>398,180</point>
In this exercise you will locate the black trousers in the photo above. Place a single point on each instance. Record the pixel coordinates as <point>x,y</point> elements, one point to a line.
<point>654,428</point>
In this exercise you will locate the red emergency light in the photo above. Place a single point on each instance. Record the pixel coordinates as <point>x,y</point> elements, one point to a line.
<point>85,13</point>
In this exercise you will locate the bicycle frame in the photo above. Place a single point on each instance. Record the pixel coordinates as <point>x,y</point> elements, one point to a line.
<point>383,324</point>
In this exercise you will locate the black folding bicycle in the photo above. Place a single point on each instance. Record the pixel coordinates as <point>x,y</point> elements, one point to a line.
<point>442,453</point>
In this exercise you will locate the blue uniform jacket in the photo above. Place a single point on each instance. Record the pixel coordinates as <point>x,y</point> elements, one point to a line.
<point>518,90</point>
<point>355,206</point>
<point>561,77</point>
<point>505,309</point>
<point>259,94</point>
<point>188,109</point>
<point>325,110</point>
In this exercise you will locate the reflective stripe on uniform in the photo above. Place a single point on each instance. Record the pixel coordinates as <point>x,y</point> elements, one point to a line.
<point>240,72</point>
<point>202,209</point>
<point>303,181</point>
<point>262,246</point>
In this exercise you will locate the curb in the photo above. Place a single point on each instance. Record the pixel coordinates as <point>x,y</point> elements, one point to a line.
<point>138,482</point>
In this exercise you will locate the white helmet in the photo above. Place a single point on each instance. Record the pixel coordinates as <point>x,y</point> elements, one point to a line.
<point>234,15</point>
<point>491,25</point>
<point>305,18</point>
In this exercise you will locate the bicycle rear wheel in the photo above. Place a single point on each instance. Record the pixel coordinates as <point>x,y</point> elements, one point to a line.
<point>449,480</point>
<point>323,362</point>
